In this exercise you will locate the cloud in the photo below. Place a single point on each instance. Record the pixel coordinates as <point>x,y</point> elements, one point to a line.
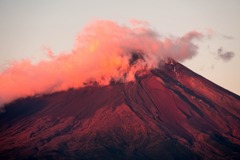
<point>104,51</point>
<point>182,48</point>
<point>225,55</point>
<point>136,22</point>
<point>227,37</point>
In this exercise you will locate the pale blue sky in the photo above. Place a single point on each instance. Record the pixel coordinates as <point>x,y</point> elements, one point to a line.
<point>28,25</point>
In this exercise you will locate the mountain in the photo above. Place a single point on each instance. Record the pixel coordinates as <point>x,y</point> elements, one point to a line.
<point>167,113</point>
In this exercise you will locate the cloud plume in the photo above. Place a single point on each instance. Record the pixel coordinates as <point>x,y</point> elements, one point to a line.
<point>104,51</point>
<point>225,55</point>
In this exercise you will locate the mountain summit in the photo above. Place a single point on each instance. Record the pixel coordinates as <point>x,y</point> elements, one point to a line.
<point>167,113</point>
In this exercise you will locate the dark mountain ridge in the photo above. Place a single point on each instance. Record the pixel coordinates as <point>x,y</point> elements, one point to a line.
<point>167,113</point>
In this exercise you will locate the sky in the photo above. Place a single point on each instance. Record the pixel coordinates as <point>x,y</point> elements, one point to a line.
<point>28,27</point>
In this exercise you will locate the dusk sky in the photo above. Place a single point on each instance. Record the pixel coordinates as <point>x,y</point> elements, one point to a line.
<point>29,26</point>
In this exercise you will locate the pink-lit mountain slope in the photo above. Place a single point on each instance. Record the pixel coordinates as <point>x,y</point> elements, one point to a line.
<point>168,113</point>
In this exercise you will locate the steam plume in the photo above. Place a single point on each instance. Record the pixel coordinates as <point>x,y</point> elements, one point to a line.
<point>104,51</point>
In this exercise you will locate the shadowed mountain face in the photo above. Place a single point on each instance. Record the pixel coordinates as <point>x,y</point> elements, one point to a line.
<point>168,113</point>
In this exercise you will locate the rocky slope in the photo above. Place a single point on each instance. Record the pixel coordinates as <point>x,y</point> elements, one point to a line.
<point>168,113</point>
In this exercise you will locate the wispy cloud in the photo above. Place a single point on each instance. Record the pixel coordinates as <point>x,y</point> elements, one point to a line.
<point>225,55</point>
<point>228,37</point>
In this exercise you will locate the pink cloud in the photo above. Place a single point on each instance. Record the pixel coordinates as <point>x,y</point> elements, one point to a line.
<point>102,52</point>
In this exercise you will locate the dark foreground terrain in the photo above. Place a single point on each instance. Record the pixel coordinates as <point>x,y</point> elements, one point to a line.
<point>168,113</point>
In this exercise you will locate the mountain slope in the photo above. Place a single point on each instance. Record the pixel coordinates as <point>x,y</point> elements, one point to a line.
<point>168,113</point>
